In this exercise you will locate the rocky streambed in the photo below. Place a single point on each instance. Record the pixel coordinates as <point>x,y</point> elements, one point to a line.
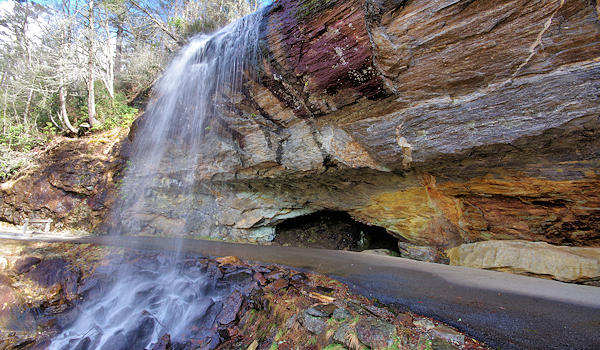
<point>65,296</point>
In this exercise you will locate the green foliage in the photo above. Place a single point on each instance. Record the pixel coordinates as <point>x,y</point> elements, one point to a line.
<point>113,113</point>
<point>8,168</point>
<point>334,347</point>
<point>16,137</point>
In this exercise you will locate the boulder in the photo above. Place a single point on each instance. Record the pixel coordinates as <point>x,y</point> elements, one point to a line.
<point>568,264</point>
<point>375,333</point>
<point>417,252</point>
<point>313,324</point>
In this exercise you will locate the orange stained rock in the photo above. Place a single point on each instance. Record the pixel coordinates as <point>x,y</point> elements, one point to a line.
<point>229,260</point>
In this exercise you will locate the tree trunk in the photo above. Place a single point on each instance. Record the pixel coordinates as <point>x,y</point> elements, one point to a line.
<point>119,48</point>
<point>91,98</point>
<point>63,116</point>
<point>109,78</point>
<point>27,107</point>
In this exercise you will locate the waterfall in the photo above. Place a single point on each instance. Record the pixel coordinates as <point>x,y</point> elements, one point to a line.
<point>198,85</point>
<point>163,296</point>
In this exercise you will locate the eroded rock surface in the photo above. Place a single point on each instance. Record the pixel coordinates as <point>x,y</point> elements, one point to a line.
<point>73,182</point>
<point>444,122</point>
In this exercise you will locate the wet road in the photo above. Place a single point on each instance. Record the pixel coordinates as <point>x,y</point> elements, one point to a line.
<point>506,311</point>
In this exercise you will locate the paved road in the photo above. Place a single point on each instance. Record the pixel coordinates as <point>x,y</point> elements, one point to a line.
<point>506,311</point>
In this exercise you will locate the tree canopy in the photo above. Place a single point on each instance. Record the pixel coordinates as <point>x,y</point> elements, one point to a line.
<point>66,64</point>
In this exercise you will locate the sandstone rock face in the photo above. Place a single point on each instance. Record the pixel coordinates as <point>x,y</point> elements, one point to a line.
<point>569,264</point>
<point>445,122</point>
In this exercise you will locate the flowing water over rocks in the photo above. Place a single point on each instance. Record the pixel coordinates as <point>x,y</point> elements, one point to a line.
<point>153,296</point>
<point>150,299</point>
<point>191,302</point>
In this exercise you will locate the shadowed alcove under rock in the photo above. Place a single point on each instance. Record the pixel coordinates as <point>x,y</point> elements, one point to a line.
<point>332,230</point>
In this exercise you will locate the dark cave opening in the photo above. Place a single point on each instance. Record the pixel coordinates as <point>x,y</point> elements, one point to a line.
<point>333,230</point>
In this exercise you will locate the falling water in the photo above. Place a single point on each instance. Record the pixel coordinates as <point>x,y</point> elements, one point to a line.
<point>143,302</point>
<point>197,86</point>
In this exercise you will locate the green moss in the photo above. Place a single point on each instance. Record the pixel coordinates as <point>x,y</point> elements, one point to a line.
<point>279,334</point>
<point>335,347</point>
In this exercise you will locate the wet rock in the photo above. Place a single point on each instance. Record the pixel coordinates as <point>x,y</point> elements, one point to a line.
<point>324,290</point>
<point>214,271</point>
<point>261,269</point>
<point>313,324</point>
<point>275,275</point>
<point>449,334</point>
<point>5,280</point>
<point>277,285</point>
<point>299,277</point>
<point>568,264</point>
<point>248,288</point>
<point>379,312</point>
<point>231,307</point>
<point>137,338</point>
<point>8,300</point>
<point>25,264</point>
<point>289,323</point>
<point>164,343</point>
<point>375,333</point>
<point>321,310</point>
<point>406,319</point>
<point>239,276</point>
<point>260,278</point>
<point>82,344</point>
<point>341,314</point>
<point>67,317</point>
<point>118,341</point>
<point>55,271</point>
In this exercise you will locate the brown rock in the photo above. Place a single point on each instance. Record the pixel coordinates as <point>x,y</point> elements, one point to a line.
<point>260,278</point>
<point>164,343</point>
<point>443,122</point>
<point>229,260</point>
<point>279,284</point>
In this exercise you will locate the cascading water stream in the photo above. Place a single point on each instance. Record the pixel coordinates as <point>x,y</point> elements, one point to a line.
<point>198,85</point>
<point>163,295</point>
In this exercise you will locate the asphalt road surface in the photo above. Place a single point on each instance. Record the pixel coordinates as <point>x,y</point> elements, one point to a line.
<point>505,311</point>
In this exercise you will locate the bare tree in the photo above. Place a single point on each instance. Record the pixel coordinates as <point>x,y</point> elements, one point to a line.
<point>90,77</point>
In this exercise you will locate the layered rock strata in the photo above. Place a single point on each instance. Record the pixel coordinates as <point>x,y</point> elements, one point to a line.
<point>445,122</point>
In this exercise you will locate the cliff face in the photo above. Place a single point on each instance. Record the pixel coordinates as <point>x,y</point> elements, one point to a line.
<point>445,122</point>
